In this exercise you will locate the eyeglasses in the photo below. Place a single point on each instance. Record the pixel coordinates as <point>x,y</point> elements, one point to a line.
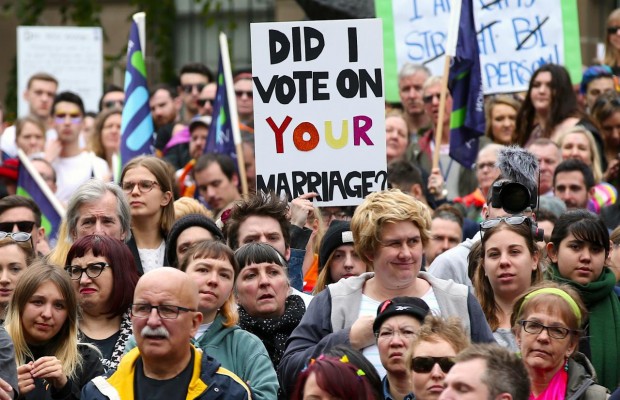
<point>424,365</point>
<point>74,118</point>
<point>22,226</point>
<point>114,103</point>
<point>514,220</point>
<point>612,29</point>
<point>92,270</point>
<point>556,332</point>
<point>144,186</point>
<point>389,334</point>
<point>429,99</point>
<point>482,166</point>
<point>189,88</point>
<point>203,102</point>
<point>143,310</point>
<point>240,93</point>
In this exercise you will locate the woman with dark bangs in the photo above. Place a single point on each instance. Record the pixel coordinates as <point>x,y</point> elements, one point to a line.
<point>104,277</point>
<point>578,249</point>
<point>333,378</point>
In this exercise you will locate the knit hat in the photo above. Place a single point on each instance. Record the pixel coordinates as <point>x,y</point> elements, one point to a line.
<point>187,222</point>
<point>411,306</point>
<point>339,233</point>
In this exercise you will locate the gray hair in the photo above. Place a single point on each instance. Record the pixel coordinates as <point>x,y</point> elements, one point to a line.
<point>92,191</point>
<point>409,69</point>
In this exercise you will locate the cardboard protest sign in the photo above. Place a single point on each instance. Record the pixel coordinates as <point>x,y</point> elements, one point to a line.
<point>73,55</point>
<point>319,116</point>
<point>514,37</point>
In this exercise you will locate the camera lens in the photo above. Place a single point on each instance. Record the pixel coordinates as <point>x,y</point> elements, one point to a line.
<point>514,197</point>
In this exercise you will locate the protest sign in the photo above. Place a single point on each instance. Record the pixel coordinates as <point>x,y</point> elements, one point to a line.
<point>74,56</point>
<point>515,37</point>
<point>319,116</point>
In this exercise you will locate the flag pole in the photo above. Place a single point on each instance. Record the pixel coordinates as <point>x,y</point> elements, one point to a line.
<point>234,117</point>
<point>453,35</point>
<point>23,158</point>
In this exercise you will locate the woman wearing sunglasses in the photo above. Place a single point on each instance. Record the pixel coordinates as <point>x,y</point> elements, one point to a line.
<point>16,254</point>
<point>148,184</point>
<point>612,41</point>
<point>578,250</point>
<point>432,355</point>
<point>104,277</point>
<point>508,266</point>
<point>547,322</point>
<point>42,320</point>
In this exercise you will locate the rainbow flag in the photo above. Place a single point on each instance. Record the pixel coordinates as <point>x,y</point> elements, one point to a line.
<point>31,184</point>
<point>136,123</point>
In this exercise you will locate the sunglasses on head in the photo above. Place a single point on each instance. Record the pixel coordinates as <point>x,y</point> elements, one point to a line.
<point>424,365</point>
<point>22,226</point>
<point>513,220</point>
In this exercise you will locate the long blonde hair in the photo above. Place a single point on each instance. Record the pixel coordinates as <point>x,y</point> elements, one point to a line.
<point>595,157</point>
<point>612,55</point>
<point>64,345</point>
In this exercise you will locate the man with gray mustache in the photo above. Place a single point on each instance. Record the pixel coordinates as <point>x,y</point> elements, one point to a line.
<point>165,365</point>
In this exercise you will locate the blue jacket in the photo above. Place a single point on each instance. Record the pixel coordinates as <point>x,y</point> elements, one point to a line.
<point>209,381</point>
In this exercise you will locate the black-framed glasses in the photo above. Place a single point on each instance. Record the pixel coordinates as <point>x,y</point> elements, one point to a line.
<point>22,226</point>
<point>513,220</point>
<point>190,87</point>
<point>144,186</point>
<point>424,365</point>
<point>429,98</point>
<point>92,270</point>
<point>114,104</point>
<point>203,102</point>
<point>143,310</point>
<point>534,327</point>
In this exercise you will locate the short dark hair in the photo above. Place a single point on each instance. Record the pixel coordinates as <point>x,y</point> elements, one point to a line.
<point>258,204</point>
<point>14,201</point>
<point>196,68</point>
<point>226,163</point>
<point>163,86</point>
<point>68,97</point>
<point>121,262</point>
<point>505,371</point>
<point>582,224</point>
<point>109,89</point>
<point>404,174</point>
<point>573,164</point>
<point>450,213</point>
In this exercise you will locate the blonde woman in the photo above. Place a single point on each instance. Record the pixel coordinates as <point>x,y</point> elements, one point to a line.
<point>42,321</point>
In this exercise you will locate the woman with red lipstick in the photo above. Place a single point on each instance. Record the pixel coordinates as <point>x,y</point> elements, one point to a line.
<point>509,265</point>
<point>547,322</point>
<point>578,249</point>
<point>432,354</point>
<point>15,257</point>
<point>104,277</point>
<point>148,183</point>
<point>42,320</point>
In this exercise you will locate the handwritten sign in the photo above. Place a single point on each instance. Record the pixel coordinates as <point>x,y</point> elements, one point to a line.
<point>74,56</point>
<point>515,37</point>
<point>319,109</point>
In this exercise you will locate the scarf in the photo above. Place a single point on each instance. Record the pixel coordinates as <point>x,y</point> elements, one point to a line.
<point>604,326</point>
<point>274,332</point>
<point>556,389</point>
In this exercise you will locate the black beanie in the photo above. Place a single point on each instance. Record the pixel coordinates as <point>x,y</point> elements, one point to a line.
<point>339,233</point>
<point>187,222</point>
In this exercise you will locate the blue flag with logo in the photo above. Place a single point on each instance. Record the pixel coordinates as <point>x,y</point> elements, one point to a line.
<point>27,186</point>
<point>136,122</point>
<point>467,122</point>
<point>220,138</point>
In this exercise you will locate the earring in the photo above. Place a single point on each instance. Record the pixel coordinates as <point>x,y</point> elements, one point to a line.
<point>566,364</point>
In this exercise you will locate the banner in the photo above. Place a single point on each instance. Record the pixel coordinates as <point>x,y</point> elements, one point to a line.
<point>319,110</point>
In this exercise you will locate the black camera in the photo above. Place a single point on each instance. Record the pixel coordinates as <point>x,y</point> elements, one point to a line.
<point>512,196</point>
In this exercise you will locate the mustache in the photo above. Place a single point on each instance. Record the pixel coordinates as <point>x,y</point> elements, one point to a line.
<point>160,331</point>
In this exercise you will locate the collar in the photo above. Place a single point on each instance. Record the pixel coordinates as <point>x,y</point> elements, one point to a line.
<point>386,391</point>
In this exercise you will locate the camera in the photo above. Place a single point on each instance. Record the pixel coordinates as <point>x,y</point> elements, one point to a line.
<point>512,196</point>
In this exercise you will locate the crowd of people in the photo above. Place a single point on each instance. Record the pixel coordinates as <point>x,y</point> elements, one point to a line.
<point>499,281</point>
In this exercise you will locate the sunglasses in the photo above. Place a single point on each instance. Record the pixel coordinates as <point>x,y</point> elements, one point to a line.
<point>613,29</point>
<point>240,93</point>
<point>203,102</point>
<point>514,220</point>
<point>424,365</point>
<point>429,99</point>
<point>189,88</point>
<point>22,226</point>
<point>114,104</point>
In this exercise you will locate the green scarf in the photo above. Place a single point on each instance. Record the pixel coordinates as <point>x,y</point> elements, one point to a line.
<point>604,327</point>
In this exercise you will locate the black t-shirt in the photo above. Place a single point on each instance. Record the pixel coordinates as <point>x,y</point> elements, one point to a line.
<point>105,346</point>
<point>170,389</point>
